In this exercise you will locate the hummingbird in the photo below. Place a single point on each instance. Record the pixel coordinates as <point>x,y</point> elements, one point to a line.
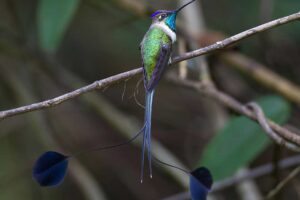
<point>156,48</point>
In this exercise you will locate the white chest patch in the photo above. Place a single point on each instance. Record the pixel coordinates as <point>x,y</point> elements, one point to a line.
<point>166,29</point>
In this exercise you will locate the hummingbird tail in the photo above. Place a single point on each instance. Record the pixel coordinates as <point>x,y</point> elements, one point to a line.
<point>147,133</point>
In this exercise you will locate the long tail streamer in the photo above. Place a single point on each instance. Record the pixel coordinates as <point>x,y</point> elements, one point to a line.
<point>147,133</point>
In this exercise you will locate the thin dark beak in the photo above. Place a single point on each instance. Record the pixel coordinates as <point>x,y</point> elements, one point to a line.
<point>179,9</point>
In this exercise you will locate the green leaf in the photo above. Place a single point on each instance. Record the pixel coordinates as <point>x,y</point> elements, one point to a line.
<point>53,18</point>
<point>284,8</point>
<point>242,140</point>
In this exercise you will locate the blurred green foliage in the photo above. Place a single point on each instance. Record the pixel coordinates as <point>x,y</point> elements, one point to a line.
<point>98,38</point>
<point>240,16</point>
<point>242,139</point>
<point>53,18</point>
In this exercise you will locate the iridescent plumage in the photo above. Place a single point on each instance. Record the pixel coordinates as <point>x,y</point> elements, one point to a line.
<point>156,48</point>
<point>50,168</point>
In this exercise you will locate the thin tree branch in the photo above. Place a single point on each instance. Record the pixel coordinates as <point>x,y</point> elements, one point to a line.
<point>196,26</point>
<point>283,183</point>
<point>183,66</point>
<point>247,189</point>
<point>86,182</point>
<point>250,67</point>
<point>125,75</point>
<point>266,127</point>
<point>252,174</point>
<point>263,75</point>
<point>123,124</point>
<point>234,39</point>
<point>235,105</point>
<point>257,172</point>
<point>70,95</point>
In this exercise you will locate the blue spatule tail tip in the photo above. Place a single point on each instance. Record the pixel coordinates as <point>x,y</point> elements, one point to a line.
<point>200,183</point>
<point>50,168</point>
<point>204,176</point>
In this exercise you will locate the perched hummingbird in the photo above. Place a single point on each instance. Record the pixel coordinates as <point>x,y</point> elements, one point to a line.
<point>51,167</point>
<point>156,48</point>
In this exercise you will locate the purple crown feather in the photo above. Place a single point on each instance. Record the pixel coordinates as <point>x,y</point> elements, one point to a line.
<point>159,12</point>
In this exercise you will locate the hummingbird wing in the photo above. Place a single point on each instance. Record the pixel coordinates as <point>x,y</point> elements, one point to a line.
<point>162,61</point>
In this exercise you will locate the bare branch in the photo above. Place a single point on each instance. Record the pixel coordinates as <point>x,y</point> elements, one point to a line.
<point>283,183</point>
<point>252,174</point>
<point>236,106</point>
<point>125,75</point>
<point>60,99</point>
<point>266,127</point>
<point>234,39</point>
<point>263,75</point>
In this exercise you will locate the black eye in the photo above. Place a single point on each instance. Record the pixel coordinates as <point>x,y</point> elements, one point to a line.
<point>162,16</point>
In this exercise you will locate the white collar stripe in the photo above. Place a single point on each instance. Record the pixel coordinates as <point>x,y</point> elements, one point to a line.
<point>166,29</point>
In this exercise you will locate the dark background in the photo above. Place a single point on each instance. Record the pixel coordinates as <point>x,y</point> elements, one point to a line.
<point>101,39</point>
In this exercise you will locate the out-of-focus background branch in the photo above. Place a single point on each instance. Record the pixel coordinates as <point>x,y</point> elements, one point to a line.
<point>48,47</point>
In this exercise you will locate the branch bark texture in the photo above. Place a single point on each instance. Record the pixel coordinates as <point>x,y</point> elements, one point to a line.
<point>125,75</point>
<point>236,106</point>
